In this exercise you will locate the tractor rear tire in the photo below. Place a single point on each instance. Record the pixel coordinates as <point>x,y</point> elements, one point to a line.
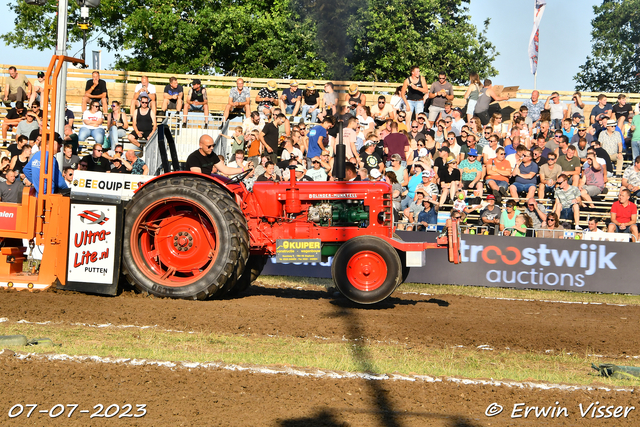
<point>366,269</point>
<point>184,237</point>
<point>232,282</point>
<point>254,267</point>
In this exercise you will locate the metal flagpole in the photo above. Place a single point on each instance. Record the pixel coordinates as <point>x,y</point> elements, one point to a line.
<point>538,10</point>
<point>61,49</point>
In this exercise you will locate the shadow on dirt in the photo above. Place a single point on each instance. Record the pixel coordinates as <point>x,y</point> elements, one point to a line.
<point>330,418</point>
<point>336,299</point>
<point>380,398</point>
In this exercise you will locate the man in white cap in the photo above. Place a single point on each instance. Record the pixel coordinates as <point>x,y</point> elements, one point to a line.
<point>291,98</point>
<point>428,184</point>
<point>375,175</point>
<point>611,141</point>
<point>369,159</point>
<point>301,174</point>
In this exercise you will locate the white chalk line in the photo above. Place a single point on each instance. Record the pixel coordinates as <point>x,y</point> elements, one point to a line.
<point>310,373</point>
<point>485,347</point>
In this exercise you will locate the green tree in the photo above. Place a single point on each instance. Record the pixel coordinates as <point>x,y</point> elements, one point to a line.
<point>256,38</point>
<point>333,39</point>
<point>614,63</point>
<point>392,35</point>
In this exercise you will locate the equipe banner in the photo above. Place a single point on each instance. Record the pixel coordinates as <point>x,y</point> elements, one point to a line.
<point>513,262</point>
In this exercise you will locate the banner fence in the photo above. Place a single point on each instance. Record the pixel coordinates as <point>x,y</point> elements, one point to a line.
<point>513,262</point>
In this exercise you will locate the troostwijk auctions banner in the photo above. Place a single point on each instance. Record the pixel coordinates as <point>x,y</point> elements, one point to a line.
<point>512,262</point>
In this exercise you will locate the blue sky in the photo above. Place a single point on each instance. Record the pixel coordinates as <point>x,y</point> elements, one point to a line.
<point>565,41</point>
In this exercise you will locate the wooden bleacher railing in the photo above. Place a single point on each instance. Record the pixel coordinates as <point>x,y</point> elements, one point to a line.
<point>121,86</point>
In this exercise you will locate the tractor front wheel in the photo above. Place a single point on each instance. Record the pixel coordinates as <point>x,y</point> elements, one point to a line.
<point>366,269</point>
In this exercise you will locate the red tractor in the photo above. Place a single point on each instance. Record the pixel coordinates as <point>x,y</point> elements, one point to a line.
<point>193,236</point>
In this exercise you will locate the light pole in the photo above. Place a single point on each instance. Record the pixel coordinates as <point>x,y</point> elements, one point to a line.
<point>61,49</point>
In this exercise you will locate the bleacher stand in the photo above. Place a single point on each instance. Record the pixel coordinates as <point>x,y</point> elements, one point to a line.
<point>229,103</point>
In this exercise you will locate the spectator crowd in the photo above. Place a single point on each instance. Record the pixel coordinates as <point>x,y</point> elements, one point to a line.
<point>551,163</point>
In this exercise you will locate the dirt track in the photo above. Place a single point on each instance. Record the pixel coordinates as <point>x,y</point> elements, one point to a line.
<point>216,397</point>
<point>438,321</point>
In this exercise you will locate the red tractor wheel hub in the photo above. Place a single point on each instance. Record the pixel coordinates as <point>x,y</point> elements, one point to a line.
<point>177,242</point>
<point>367,271</point>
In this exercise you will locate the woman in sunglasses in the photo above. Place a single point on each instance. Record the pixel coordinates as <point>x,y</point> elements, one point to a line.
<point>144,122</point>
<point>551,228</point>
<point>92,119</point>
<point>118,125</point>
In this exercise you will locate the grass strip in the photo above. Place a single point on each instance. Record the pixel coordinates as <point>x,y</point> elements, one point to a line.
<point>309,353</point>
<point>473,291</point>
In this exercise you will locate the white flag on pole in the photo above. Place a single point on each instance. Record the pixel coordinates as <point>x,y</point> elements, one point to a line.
<point>538,10</point>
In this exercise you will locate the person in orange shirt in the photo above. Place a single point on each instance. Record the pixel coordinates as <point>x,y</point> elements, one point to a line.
<point>498,173</point>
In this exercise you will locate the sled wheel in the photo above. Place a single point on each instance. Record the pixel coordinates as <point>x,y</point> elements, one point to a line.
<point>366,269</point>
<point>183,238</point>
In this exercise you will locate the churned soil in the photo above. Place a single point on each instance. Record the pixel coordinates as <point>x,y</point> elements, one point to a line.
<point>440,321</point>
<point>212,396</point>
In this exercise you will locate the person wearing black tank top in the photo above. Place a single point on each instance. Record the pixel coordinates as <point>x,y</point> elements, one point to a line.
<point>144,122</point>
<point>356,98</point>
<point>413,92</point>
<point>20,161</point>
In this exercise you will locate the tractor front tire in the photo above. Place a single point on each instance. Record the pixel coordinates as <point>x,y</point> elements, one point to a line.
<point>254,267</point>
<point>184,237</point>
<point>366,269</point>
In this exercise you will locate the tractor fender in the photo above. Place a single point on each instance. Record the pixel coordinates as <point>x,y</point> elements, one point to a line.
<point>235,190</point>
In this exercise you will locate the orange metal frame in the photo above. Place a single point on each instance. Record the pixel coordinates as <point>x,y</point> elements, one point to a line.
<point>44,218</point>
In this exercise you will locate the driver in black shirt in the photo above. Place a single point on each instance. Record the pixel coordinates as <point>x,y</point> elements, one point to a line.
<point>204,159</point>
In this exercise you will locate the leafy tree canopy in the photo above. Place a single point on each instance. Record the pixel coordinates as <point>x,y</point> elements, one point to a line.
<point>334,39</point>
<point>392,35</point>
<point>614,63</point>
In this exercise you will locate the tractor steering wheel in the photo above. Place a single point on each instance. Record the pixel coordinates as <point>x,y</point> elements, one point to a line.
<point>238,178</point>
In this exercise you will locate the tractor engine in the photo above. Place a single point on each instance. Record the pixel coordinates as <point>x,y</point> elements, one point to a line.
<point>341,214</point>
<point>333,212</point>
